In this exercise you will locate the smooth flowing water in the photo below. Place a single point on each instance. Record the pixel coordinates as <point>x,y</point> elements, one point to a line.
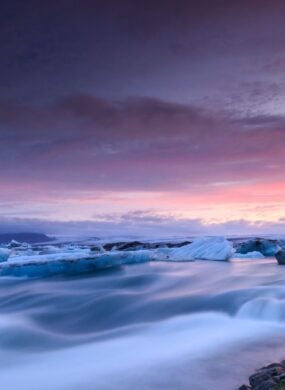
<point>196,326</point>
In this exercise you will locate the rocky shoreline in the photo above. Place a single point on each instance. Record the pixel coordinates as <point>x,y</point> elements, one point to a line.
<point>271,377</point>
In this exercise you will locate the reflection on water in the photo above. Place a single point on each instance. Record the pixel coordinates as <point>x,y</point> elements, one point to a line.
<point>197,326</point>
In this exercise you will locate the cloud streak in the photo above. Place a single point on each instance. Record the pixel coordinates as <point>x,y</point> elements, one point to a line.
<point>136,143</point>
<point>140,224</point>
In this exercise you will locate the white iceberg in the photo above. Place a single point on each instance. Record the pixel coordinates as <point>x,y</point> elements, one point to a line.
<point>214,248</point>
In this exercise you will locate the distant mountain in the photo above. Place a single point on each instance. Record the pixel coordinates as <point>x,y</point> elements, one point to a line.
<point>30,238</point>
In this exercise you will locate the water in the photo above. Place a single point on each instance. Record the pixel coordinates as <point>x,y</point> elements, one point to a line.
<point>203,325</point>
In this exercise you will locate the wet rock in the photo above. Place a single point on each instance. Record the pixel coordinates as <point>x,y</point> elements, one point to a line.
<point>275,365</point>
<point>266,385</point>
<point>280,386</point>
<point>280,257</point>
<point>258,378</point>
<point>271,377</point>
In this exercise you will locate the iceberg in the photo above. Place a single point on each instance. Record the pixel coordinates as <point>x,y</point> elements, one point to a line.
<point>214,248</point>
<point>265,246</point>
<point>4,254</point>
<point>70,263</point>
<point>14,244</point>
<point>49,250</point>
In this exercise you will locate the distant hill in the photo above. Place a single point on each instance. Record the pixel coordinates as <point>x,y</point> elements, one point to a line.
<point>30,238</point>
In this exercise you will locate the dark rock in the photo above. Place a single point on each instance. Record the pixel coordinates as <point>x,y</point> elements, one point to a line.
<point>271,377</point>
<point>280,386</point>
<point>135,245</point>
<point>258,378</point>
<point>273,365</point>
<point>178,244</point>
<point>280,257</point>
<point>266,385</point>
<point>270,372</point>
<point>131,246</point>
<point>273,370</point>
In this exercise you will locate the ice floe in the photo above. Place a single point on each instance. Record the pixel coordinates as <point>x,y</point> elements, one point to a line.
<point>4,254</point>
<point>77,262</point>
<point>213,248</point>
<point>265,246</point>
<point>76,258</point>
<point>249,255</point>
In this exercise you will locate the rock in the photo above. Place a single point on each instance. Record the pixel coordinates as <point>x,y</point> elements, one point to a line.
<point>275,365</point>
<point>270,372</point>
<point>122,246</point>
<point>258,378</point>
<point>280,257</point>
<point>280,386</point>
<point>266,385</point>
<point>271,377</point>
<point>131,246</point>
<point>135,245</point>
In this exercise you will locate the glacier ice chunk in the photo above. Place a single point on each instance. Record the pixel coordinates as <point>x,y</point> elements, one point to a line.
<point>214,248</point>
<point>267,247</point>
<point>70,263</point>
<point>4,254</point>
<point>249,255</point>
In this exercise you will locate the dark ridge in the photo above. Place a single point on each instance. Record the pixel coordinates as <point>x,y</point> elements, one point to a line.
<point>134,245</point>
<point>271,377</point>
<point>30,238</point>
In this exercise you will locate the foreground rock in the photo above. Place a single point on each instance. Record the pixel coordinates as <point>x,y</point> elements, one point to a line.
<point>280,257</point>
<point>271,377</point>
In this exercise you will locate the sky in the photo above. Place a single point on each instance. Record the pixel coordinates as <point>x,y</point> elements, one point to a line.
<point>156,116</point>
